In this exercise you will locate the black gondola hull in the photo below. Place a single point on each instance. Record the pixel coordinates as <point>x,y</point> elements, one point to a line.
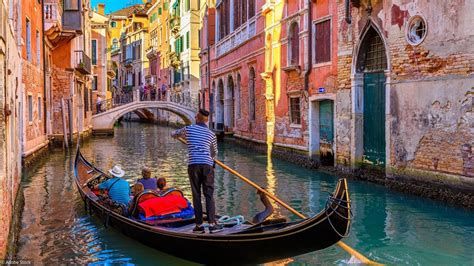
<point>263,244</point>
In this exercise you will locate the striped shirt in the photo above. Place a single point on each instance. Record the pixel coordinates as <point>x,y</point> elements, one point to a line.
<point>202,143</point>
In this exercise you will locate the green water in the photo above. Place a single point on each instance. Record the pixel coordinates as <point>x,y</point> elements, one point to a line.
<point>388,227</point>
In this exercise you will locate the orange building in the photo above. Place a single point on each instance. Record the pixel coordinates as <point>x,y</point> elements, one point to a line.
<point>33,136</point>
<point>67,28</point>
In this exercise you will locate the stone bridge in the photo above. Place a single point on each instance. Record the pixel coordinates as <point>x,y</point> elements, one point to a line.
<point>103,123</point>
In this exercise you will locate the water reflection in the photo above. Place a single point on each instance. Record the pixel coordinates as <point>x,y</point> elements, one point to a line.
<point>389,227</point>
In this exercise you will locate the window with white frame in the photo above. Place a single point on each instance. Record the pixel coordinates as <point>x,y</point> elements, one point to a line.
<point>28,40</point>
<point>295,110</point>
<point>94,51</point>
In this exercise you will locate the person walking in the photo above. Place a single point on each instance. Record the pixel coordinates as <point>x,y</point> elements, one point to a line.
<point>202,149</point>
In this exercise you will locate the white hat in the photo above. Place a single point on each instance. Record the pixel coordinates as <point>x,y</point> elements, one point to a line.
<point>117,171</point>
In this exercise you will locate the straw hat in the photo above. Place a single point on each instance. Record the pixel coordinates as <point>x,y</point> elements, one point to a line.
<point>117,171</point>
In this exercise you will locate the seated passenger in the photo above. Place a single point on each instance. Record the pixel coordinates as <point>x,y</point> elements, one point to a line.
<point>137,189</point>
<point>118,189</point>
<point>164,190</point>
<point>147,181</point>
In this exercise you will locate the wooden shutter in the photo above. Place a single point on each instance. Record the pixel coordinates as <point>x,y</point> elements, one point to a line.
<point>323,42</point>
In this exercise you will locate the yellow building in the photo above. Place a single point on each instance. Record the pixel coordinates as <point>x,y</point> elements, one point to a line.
<point>158,47</point>
<point>134,65</point>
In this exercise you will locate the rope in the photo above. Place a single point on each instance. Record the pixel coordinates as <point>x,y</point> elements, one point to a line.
<point>338,202</point>
<point>230,220</point>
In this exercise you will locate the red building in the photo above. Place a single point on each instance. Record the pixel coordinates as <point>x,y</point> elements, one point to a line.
<point>264,84</point>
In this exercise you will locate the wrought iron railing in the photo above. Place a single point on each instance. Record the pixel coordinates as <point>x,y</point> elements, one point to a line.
<point>82,62</point>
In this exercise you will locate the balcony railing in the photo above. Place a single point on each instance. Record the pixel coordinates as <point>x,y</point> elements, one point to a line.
<point>240,35</point>
<point>82,62</point>
<point>52,14</point>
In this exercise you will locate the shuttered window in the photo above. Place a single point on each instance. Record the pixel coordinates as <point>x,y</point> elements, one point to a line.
<point>251,9</point>
<point>294,48</point>
<point>322,42</point>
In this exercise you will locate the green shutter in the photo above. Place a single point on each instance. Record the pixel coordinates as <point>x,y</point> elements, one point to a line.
<point>159,11</point>
<point>187,40</point>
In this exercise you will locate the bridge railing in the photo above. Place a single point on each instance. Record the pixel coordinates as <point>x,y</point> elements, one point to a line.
<point>126,98</point>
<point>118,100</point>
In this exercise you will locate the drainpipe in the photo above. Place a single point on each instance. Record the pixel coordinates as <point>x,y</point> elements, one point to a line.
<point>310,48</point>
<point>45,111</point>
<point>209,68</point>
<point>348,17</point>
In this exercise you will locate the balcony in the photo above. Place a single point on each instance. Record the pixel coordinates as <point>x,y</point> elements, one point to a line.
<point>111,68</point>
<point>53,22</point>
<point>128,62</point>
<point>82,62</point>
<point>52,15</point>
<point>151,52</point>
<point>174,25</point>
<point>72,19</point>
<point>237,37</point>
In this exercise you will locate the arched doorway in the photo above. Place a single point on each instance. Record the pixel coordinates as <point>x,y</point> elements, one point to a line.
<point>370,82</point>
<point>230,106</point>
<point>220,106</point>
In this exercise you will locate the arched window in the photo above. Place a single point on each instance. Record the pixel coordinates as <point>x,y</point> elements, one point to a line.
<point>252,94</point>
<point>293,44</point>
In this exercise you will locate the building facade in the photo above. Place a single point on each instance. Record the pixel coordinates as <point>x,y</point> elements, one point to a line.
<point>67,30</point>
<point>102,69</point>
<point>184,25</point>
<point>134,63</point>
<point>34,135</point>
<point>10,114</point>
<point>408,72</point>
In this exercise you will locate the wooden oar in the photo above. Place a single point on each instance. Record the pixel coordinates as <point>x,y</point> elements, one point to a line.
<point>343,245</point>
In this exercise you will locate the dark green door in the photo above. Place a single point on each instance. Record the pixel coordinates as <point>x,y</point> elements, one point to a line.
<point>374,118</point>
<point>326,124</point>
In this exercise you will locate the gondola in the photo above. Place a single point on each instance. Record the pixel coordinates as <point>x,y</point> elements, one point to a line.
<point>240,243</point>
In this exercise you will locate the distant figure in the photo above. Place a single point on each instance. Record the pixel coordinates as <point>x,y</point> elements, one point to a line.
<point>99,104</point>
<point>147,181</point>
<point>118,189</point>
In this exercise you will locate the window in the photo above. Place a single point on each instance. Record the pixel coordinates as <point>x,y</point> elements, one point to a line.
<point>115,44</point>
<point>113,24</point>
<point>94,83</point>
<point>294,45</point>
<point>187,40</point>
<point>416,30</point>
<point>188,5</point>
<point>252,94</point>
<point>38,50</point>
<point>71,4</point>
<point>295,110</point>
<point>39,107</point>
<point>94,52</point>
<point>251,9</point>
<point>322,42</point>
<point>30,108</point>
<point>28,40</point>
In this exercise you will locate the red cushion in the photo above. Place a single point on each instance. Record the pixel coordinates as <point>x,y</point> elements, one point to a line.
<point>162,205</point>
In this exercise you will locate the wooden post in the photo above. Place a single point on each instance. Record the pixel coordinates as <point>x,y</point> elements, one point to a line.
<point>71,125</point>
<point>63,114</point>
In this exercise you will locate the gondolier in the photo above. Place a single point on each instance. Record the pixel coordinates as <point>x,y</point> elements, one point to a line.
<point>202,149</point>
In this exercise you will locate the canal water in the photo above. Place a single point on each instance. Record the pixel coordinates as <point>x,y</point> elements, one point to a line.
<point>388,227</point>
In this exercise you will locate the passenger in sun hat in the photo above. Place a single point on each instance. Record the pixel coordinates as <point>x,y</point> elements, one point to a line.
<point>118,189</point>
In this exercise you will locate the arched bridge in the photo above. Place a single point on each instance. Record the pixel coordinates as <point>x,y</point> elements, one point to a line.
<point>103,122</point>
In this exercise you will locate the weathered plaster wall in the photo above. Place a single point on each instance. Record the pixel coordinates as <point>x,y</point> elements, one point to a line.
<point>429,119</point>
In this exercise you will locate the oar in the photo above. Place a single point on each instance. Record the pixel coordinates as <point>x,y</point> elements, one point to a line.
<point>343,245</point>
